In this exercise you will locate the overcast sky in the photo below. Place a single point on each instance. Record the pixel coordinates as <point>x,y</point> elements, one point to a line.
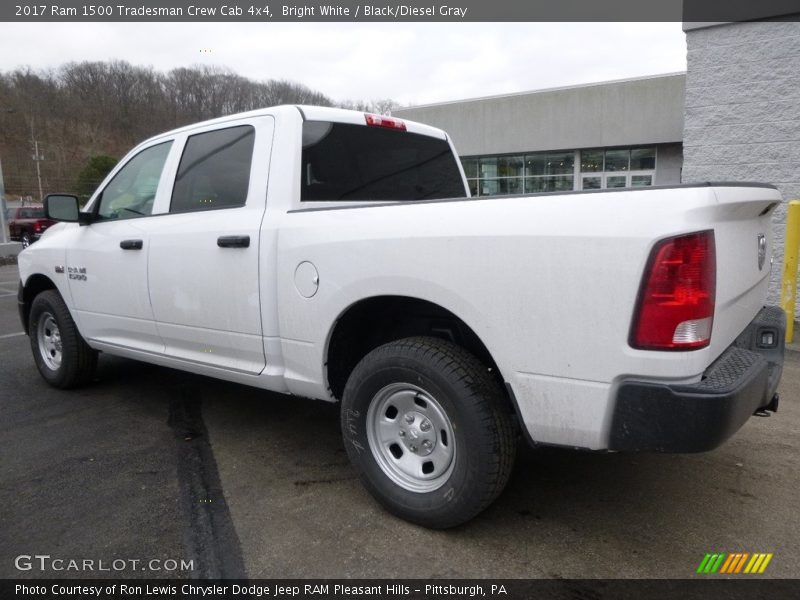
<point>410,63</point>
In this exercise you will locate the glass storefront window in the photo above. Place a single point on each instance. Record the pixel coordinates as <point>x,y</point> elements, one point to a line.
<point>470,167</point>
<point>592,183</point>
<point>548,184</point>
<point>643,159</point>
<point>498,187</point>
<point>549,163</point>
<point>501,166</point>
<point>617,160</point>
<point>553,171</point>
<point>591,161</point>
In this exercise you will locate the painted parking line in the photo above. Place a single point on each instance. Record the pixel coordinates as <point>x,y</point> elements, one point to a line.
<point>11,335</point>
<point>8,295</point>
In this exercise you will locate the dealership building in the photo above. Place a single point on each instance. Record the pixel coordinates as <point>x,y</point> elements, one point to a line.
<point>614,134</point>
<point>733,116</point>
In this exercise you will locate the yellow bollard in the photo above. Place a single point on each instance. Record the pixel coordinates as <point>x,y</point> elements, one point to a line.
<point>790,251</point>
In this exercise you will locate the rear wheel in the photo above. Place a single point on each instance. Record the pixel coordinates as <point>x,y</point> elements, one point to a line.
<point>428,430</point>
<point>62,356</point>
<point>26,240</point>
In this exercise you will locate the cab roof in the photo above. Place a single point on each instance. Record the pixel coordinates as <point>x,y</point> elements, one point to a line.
<point>307,113</point>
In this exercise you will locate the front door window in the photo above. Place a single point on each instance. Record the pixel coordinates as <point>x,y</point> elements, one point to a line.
<point>132,191</point>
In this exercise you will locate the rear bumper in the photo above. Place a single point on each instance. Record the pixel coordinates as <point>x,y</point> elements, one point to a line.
<point>698,417</point>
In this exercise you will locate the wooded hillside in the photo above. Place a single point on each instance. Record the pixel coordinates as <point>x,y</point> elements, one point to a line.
<point>97,109</point>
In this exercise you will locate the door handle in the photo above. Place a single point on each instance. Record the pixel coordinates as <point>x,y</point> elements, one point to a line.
<point>131,244</point>
<point>233,241</point>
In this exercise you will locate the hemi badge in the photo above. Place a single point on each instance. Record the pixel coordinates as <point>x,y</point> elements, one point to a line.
<point>59,269</point>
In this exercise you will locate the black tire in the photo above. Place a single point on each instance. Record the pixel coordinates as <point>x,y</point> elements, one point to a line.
<point>474,402</point>
<point>26,240</point>
<point>77,360</point>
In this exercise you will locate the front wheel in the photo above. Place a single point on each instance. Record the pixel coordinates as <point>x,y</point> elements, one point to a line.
<point>63,358</point>
<point>428,430</point>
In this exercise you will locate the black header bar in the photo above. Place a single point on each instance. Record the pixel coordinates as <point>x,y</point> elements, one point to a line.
<point>701,11</point>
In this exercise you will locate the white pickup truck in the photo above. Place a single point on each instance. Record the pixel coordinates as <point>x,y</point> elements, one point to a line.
<point>336,255</point>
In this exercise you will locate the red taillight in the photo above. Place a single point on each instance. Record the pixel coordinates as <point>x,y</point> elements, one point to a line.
<point>675,310</point>
<point>381,121</point>
<point>37,226</point>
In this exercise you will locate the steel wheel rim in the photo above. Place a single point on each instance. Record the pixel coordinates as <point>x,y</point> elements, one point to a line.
<point>411,437</point>
<point>49,337</point>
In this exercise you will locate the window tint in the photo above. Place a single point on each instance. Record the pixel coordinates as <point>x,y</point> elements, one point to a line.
<point>214,171</point>
<point>132,191</point>
<point>357,162</point>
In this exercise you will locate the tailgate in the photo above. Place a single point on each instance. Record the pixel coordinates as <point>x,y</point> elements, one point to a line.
<point>743,233</point>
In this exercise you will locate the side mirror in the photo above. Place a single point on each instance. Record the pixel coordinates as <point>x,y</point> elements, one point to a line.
<point>62,207</point>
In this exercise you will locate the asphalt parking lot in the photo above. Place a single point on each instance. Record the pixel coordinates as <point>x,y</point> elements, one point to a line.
<point>151,463</point>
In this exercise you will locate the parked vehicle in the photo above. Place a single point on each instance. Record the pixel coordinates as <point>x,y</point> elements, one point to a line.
<point>26,224</point>
<point>334,255</point>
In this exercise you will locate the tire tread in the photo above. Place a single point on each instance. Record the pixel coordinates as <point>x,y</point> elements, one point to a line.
<point>78,359</point>
<point>485,399</point>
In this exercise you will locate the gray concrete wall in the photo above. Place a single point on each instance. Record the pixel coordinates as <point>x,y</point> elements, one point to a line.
<point>669,160</point>
<point>622,113</point>
<point>742,114</point>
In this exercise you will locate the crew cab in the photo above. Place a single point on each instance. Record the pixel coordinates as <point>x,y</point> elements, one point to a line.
<point>26,224</point>
<point>337,255</point>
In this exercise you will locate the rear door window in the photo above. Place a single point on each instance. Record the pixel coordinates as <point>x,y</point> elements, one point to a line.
<point>356,162</point>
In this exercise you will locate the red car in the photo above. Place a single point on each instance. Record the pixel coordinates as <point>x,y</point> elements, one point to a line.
<point>27,223</point>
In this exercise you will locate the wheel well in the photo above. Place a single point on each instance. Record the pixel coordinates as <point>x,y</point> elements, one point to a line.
<point>35,285</point>
<point>376,321</point>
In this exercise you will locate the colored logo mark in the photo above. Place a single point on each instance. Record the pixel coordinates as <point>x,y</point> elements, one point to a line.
<point>736,562</point>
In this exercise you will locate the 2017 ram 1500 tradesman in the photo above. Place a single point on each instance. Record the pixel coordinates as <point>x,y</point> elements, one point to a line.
<point>335,255</point>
